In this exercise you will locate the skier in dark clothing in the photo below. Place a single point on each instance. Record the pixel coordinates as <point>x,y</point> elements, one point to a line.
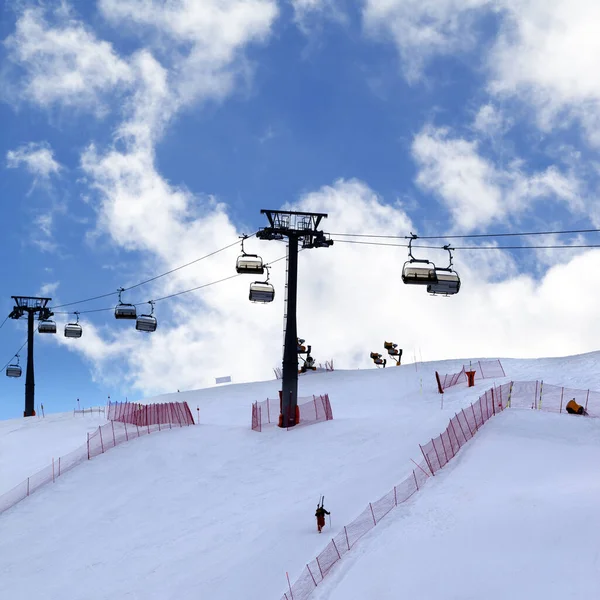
<point>320,514</point>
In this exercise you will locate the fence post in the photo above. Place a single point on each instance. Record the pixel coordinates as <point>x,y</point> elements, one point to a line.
<point>268,411</point>
<point>372,513</point>
<point>347,542</point>
<point>88,445</point>
<point>436,453</point>
<point>312,576</point>
<point>474,418</point>
<point>586,400</point>
<point>426,459</point>
<point>455,436</point>
<point>289,585</point>
<point>59,466</point>
<point>101,441</point>
<point>541,389</point>
<point>395,497</point>
<point>113,431</point>
<point>416,482</point>
<point>535,395</point>
<point>562,391</point>
<point>336,549</point>
<point>461,427</point>
<point>126,434</point>
<point>319,565</point>
<point>493,403</point>
<point>28,486</point>
<point>53,469</point>
<point>444,447</point>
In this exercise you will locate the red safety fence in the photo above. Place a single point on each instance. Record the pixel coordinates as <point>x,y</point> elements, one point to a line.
<point>552,398</point>
<point>177,413</point>
<point>312,409</point>
<point>484,369</point>
<point>102,439</point>
<point>437,453</point>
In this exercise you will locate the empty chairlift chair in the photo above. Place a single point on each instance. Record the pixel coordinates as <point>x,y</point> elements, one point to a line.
<point>249,264</point>
<point>448,281</point>
<point>73,330</point>
<point>147,322</point>
<point>124,310</point>
<point>14,370</point>
<point>262,291</point>
<point>413,274</point>
<point>46,326</point>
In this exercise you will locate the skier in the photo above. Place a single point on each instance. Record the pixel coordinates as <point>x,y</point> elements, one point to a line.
<point>320,514</point>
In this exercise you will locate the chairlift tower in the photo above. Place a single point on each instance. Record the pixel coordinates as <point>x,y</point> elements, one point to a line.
<point>30,306</point>
<point>300,228</point>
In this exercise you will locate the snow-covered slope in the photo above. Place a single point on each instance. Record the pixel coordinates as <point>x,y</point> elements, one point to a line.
<point>219,511</point>
<point>513,516</point>
<point>28,445</point>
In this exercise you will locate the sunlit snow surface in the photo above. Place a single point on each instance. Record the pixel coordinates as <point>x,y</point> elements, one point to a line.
<point>219,511</point>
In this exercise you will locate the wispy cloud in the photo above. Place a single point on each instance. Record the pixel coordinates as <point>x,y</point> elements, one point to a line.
<point>37,158</point>
<point>476,192</point>
<point>63,63</point>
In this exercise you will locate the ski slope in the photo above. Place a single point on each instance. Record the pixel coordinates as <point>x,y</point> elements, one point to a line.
<point>513,516</point>
<point>219,511</point>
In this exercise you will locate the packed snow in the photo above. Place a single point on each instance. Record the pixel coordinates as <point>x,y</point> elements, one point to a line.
<point>220,511</point>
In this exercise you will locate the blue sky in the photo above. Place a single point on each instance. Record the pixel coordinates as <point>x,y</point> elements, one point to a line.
<point>139,135</point>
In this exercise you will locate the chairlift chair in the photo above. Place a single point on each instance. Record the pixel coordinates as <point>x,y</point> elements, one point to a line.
<point>46,326</point>
<point>262,291</point>
<point>123,310</point>
<point>448,281</point>
<point>388,345</point>
<point>250,264</point>
<point>418,275</point>
<point>14,370</point>
<point>73,330</point>
<point>375,355</point>
<point>147,322</point>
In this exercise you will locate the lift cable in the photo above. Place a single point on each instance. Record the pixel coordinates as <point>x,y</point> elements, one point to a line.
<point>541,247</point>
<point>466,236</point>
<point>146,280</point>
<point>199,287</point>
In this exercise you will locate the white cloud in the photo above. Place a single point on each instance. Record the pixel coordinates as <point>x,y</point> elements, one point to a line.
<point>474,190</point>
<point>309,12</point>
<point>37,158</point>
<point>208,36</point>
<point>490,121</point>
<point>48,289</point>
<point>546,55</point>
<point>424,28</point>
<point>64,64</point>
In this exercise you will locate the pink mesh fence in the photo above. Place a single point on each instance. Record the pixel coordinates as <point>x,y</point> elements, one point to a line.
<point>326,366</point>
<point>312,409</point>
<point>102,439</point>
<point>484,369</point>
<point>538,395</point>
<point>143,415</point>
<point>436,453</point>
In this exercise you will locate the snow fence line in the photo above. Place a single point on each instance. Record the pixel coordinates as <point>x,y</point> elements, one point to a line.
<point>311,409</point>
<point>436,454</point>
<point>484,369</point>
<point>105,437</point>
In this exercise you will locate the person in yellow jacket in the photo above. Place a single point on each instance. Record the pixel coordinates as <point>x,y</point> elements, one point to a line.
<point>575,409</point>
